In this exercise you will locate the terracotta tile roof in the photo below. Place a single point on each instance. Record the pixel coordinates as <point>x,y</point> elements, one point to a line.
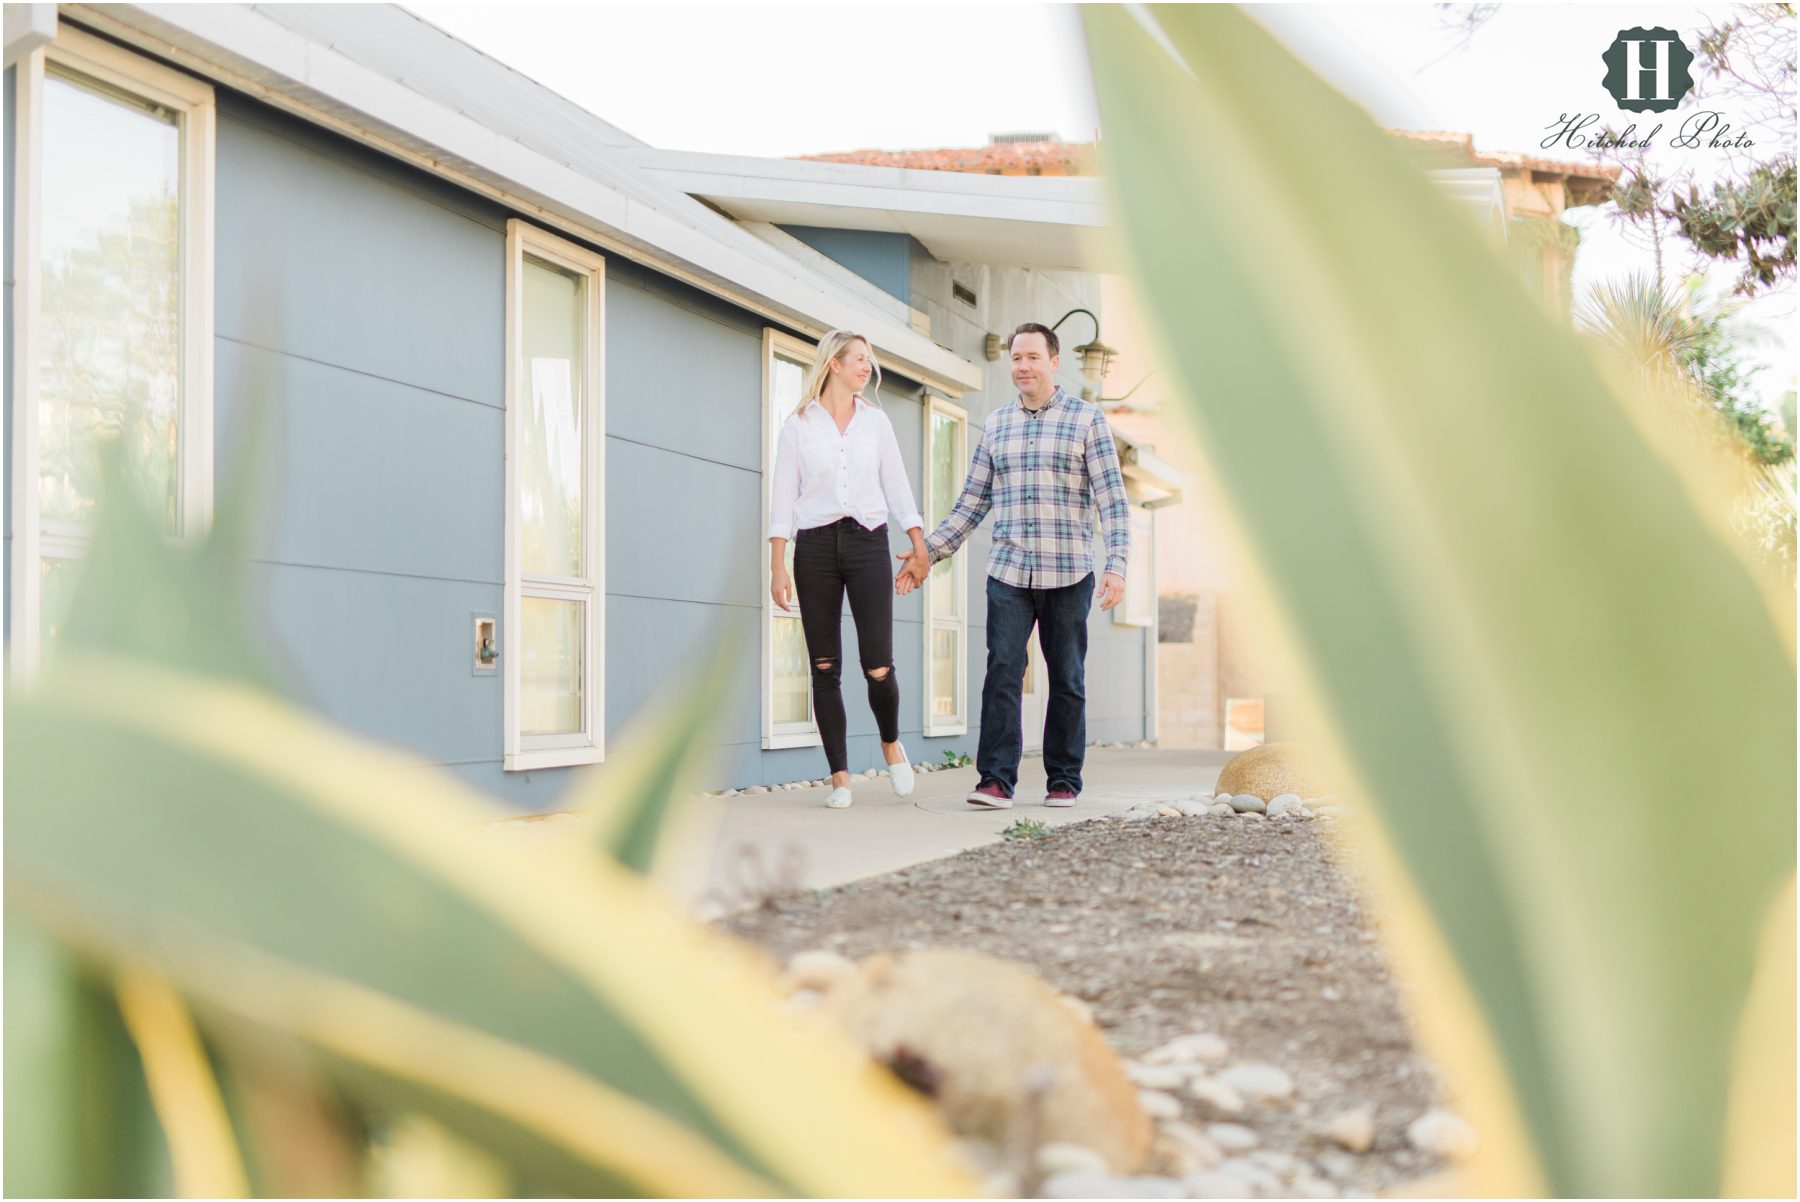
<point>1588,183</point>
<point>1458,150</point>
<point>1008,158</point>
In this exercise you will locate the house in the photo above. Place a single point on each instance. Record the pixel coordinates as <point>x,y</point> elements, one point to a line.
<point>522,375</point>
<point>1212,680</point>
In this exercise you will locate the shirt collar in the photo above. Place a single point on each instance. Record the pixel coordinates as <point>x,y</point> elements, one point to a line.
<point>862,403</point>
<point>1057,396</point>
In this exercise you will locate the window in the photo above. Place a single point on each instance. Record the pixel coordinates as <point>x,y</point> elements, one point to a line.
<point>787,678</point>
<point>1139,606</point>
<point>946,589</point>
<point>555,569</point>
<point>112,309</point>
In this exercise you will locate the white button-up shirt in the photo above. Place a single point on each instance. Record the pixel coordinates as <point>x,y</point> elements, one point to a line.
<point>822,475</point>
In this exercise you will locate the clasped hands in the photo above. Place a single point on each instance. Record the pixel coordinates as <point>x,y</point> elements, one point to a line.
<point>915,566</point>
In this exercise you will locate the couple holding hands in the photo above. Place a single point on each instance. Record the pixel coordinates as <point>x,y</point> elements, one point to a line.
<point>1043,465</point>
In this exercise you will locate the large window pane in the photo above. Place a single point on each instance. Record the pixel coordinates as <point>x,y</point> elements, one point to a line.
<point>946,465</point>
<point>56,587</point>
<point>111,333</point>
<point>550,443</point>
<point>786,378</point>
<point>946,655</point>
<point>550,669</point>
<point>790,677</point>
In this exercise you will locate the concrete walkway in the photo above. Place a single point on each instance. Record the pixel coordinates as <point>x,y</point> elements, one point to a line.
<point>788,840</point>
<point>734,851</point>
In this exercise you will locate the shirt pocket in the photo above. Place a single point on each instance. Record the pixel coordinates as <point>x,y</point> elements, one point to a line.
<point>816,457</point>
<point>865,458</point>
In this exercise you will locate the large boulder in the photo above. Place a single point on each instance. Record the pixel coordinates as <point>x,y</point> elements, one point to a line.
<point>1272,769</point>
<point>1001,1053</point>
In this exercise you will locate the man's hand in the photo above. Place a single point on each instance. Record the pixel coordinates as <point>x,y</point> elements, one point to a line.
<point>915,567</point>
<point>1112,590</point>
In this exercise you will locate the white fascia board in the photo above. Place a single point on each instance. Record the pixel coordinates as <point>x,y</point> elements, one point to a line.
<point>247,50</point>
<point>1031,199</point>
<point>28,26</point>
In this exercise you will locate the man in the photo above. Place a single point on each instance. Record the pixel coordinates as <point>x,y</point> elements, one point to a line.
<point>1044,463</point>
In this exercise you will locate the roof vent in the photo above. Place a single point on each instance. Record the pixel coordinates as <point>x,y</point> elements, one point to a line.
<point>1026,136</point>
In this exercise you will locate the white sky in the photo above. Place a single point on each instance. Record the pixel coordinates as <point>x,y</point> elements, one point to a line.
<point>786,79</point>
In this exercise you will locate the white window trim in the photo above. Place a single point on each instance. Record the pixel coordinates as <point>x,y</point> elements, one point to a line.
<point>777,736</point>
<point>522,752</point>
<point>192,100</point>
<point>1141,567</point>
<point>957,724</point>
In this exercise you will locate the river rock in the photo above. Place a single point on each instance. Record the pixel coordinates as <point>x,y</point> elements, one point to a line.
<point>818,969</point>
<point>1258,1082</point>
<point>1353,1130</point>
<point>1441,1133</point>
<point>1258,1178</point>
<point>1216,1094</point>
<point>1069,1158</point>
<point>1306,1185</point>
<point>1192,809</point>
<point>1284,803</point>
<point>1159,1105</point>
<point>1008,1058</point>
<point>1232,1137</point>
<point>1214,1184</point>
<point>1105,1185</point>
<point>1200,1047</point>
<point>1183,1148</point>
<point>1160,1076</point>
<point>1248,803</point>
<point>1221,808</point>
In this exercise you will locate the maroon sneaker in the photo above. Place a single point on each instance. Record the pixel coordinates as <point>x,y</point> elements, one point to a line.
<point>1060,796</point>
<point>991,795</point>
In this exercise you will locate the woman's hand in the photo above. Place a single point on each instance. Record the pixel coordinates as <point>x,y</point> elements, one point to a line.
<point>781,587</point>
<point>913,571</point>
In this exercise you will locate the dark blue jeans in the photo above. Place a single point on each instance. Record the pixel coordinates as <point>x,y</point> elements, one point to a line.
<point>1061,618</point>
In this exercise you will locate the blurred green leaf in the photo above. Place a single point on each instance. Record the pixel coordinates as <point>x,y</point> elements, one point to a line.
<point>74,1084</point>
<point>188,604</point>
<point>1571,702</point>
<point>630,801</point>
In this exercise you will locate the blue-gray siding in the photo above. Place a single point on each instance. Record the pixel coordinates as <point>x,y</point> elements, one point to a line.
<point>360,307</point>
<point>883,258</point>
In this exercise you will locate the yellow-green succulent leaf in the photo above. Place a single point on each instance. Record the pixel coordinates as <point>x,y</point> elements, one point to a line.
<point>1571,699</point>
<point>159,805</point>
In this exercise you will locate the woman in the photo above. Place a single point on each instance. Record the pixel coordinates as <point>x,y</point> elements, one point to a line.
<point>837,476</point>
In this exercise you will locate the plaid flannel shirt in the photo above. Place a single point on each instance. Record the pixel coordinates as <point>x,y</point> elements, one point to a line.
<point>1043,474</point>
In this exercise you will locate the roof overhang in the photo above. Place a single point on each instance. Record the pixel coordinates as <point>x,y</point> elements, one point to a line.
<point>1040,222</point>
<point>1476,190</point>
<point>1152,481</point>
<point>245,49</point>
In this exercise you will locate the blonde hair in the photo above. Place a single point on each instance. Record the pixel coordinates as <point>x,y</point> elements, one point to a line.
<point>833,346</point>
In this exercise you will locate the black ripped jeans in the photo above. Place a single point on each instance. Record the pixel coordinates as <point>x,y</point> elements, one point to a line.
<point>828,562</point>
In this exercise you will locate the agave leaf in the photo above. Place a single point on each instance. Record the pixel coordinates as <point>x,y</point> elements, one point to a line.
<point>187,603</point>
<point>1570,701</point>
<point>73,1081</point>
<point>196,821</point>
<point>630,801</point>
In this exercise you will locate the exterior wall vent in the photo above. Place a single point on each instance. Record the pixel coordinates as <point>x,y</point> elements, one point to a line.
<point>1025,136</point>
<point>965,295</point>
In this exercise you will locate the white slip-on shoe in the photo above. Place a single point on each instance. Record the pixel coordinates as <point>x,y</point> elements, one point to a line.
<point>838,798</point>
<point>901,774</point>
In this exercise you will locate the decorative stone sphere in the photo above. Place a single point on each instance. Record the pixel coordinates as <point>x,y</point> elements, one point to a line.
<point>1273,769</point>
